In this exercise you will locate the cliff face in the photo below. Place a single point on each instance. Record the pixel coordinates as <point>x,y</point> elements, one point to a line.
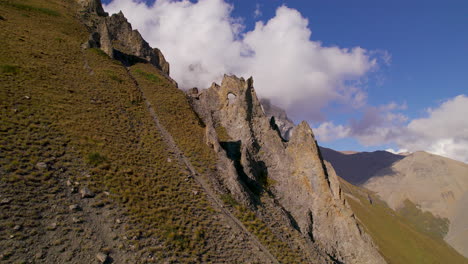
<point>285,125</point>
<point>115,36</point>
<point>292,172</point>
<point>255,157</point>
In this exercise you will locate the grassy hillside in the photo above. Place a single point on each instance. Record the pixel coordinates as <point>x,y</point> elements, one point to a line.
<point>188,131</point>
<point>73,118</point>
<point>399,240</point>
<point>424,222</point>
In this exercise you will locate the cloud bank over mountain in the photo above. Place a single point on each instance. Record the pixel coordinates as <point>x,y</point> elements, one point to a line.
<point>203,41</point>
<point>444,131</point>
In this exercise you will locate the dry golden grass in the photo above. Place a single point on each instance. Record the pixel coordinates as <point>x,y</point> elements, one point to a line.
<point>398,240</point>
<point>81,113</point>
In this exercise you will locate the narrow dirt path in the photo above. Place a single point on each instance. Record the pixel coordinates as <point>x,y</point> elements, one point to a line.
<point>167,137</point>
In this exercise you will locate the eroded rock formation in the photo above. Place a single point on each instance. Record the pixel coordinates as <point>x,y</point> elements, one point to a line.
<point>292,171</point>
<point>115,36</point>
<point>281,119</point>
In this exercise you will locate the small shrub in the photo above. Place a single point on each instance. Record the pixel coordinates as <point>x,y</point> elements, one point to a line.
<point>9,69</point>
<point>95,159</point>
<point>228,199</point>
<point>115,78</point>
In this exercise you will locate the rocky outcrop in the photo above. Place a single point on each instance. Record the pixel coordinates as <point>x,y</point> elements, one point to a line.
<point>115,36</point>
<point>92,7</point>
<point>281,119</point>
<point>291,171</point>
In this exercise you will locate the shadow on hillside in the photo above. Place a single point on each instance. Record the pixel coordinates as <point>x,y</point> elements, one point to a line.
<point>359,167</point>
<point>127,59</point>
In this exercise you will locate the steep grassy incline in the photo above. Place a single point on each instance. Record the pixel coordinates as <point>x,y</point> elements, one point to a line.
<point>398,239</point>
<point>73,118</point>
<point>188,131</point>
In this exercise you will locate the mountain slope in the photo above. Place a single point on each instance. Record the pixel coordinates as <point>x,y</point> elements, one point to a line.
<point>73,118</point>
<point>388,228</point>
<point>399,240</point>
<point>436,184</point>
<point>432,183</point>
<point>103,157</point>
<point>358,167</point>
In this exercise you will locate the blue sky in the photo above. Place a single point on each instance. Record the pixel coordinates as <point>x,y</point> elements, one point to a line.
<point>413,57</point>
<point>427,40</point>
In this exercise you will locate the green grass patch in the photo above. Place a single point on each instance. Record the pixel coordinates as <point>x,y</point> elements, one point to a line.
<point>99,52</point>
<point>424,222</point>
<point>149,76</point>
<point>9,69</point>
<point>113,76</point>
<point>31,8</point>
<point>95,158</point>
<point>228,199</point>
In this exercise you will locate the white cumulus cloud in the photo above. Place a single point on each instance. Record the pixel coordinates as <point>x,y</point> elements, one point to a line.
<point>444,131</point>
<point>202,41</point>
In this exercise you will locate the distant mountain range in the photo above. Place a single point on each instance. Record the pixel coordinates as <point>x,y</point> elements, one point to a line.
<point>358,167</point>
<point>433,183</point>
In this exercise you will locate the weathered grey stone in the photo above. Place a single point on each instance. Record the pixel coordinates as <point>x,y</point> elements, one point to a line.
<point>39,255</point>
<point>162,62</point>
<point>306,187</point>
<point>86,193</point>
<point>114,35</point>
<point>74,207</point>
<point>193,91</point>
<point>92,6</point>
<point>5,201</point>
<point>41,165</point>
<point>53,226</point>
<point>281,119</point>
<point>102,257</point>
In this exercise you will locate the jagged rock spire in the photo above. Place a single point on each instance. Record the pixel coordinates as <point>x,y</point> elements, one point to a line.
<point>306,187</point>
<point>115,36</point>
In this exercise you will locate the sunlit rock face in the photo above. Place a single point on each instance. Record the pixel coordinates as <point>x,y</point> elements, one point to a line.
<point>114,35</point>
<point>293,170</point>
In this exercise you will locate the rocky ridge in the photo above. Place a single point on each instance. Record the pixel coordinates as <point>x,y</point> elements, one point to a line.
<point>115,36</point>
<point>292,172</point>
<point>285,183</point>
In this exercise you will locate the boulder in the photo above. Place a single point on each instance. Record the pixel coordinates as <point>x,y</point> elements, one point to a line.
<point>86,193</point>
<point>102,257</point>
<point>41,165</point>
